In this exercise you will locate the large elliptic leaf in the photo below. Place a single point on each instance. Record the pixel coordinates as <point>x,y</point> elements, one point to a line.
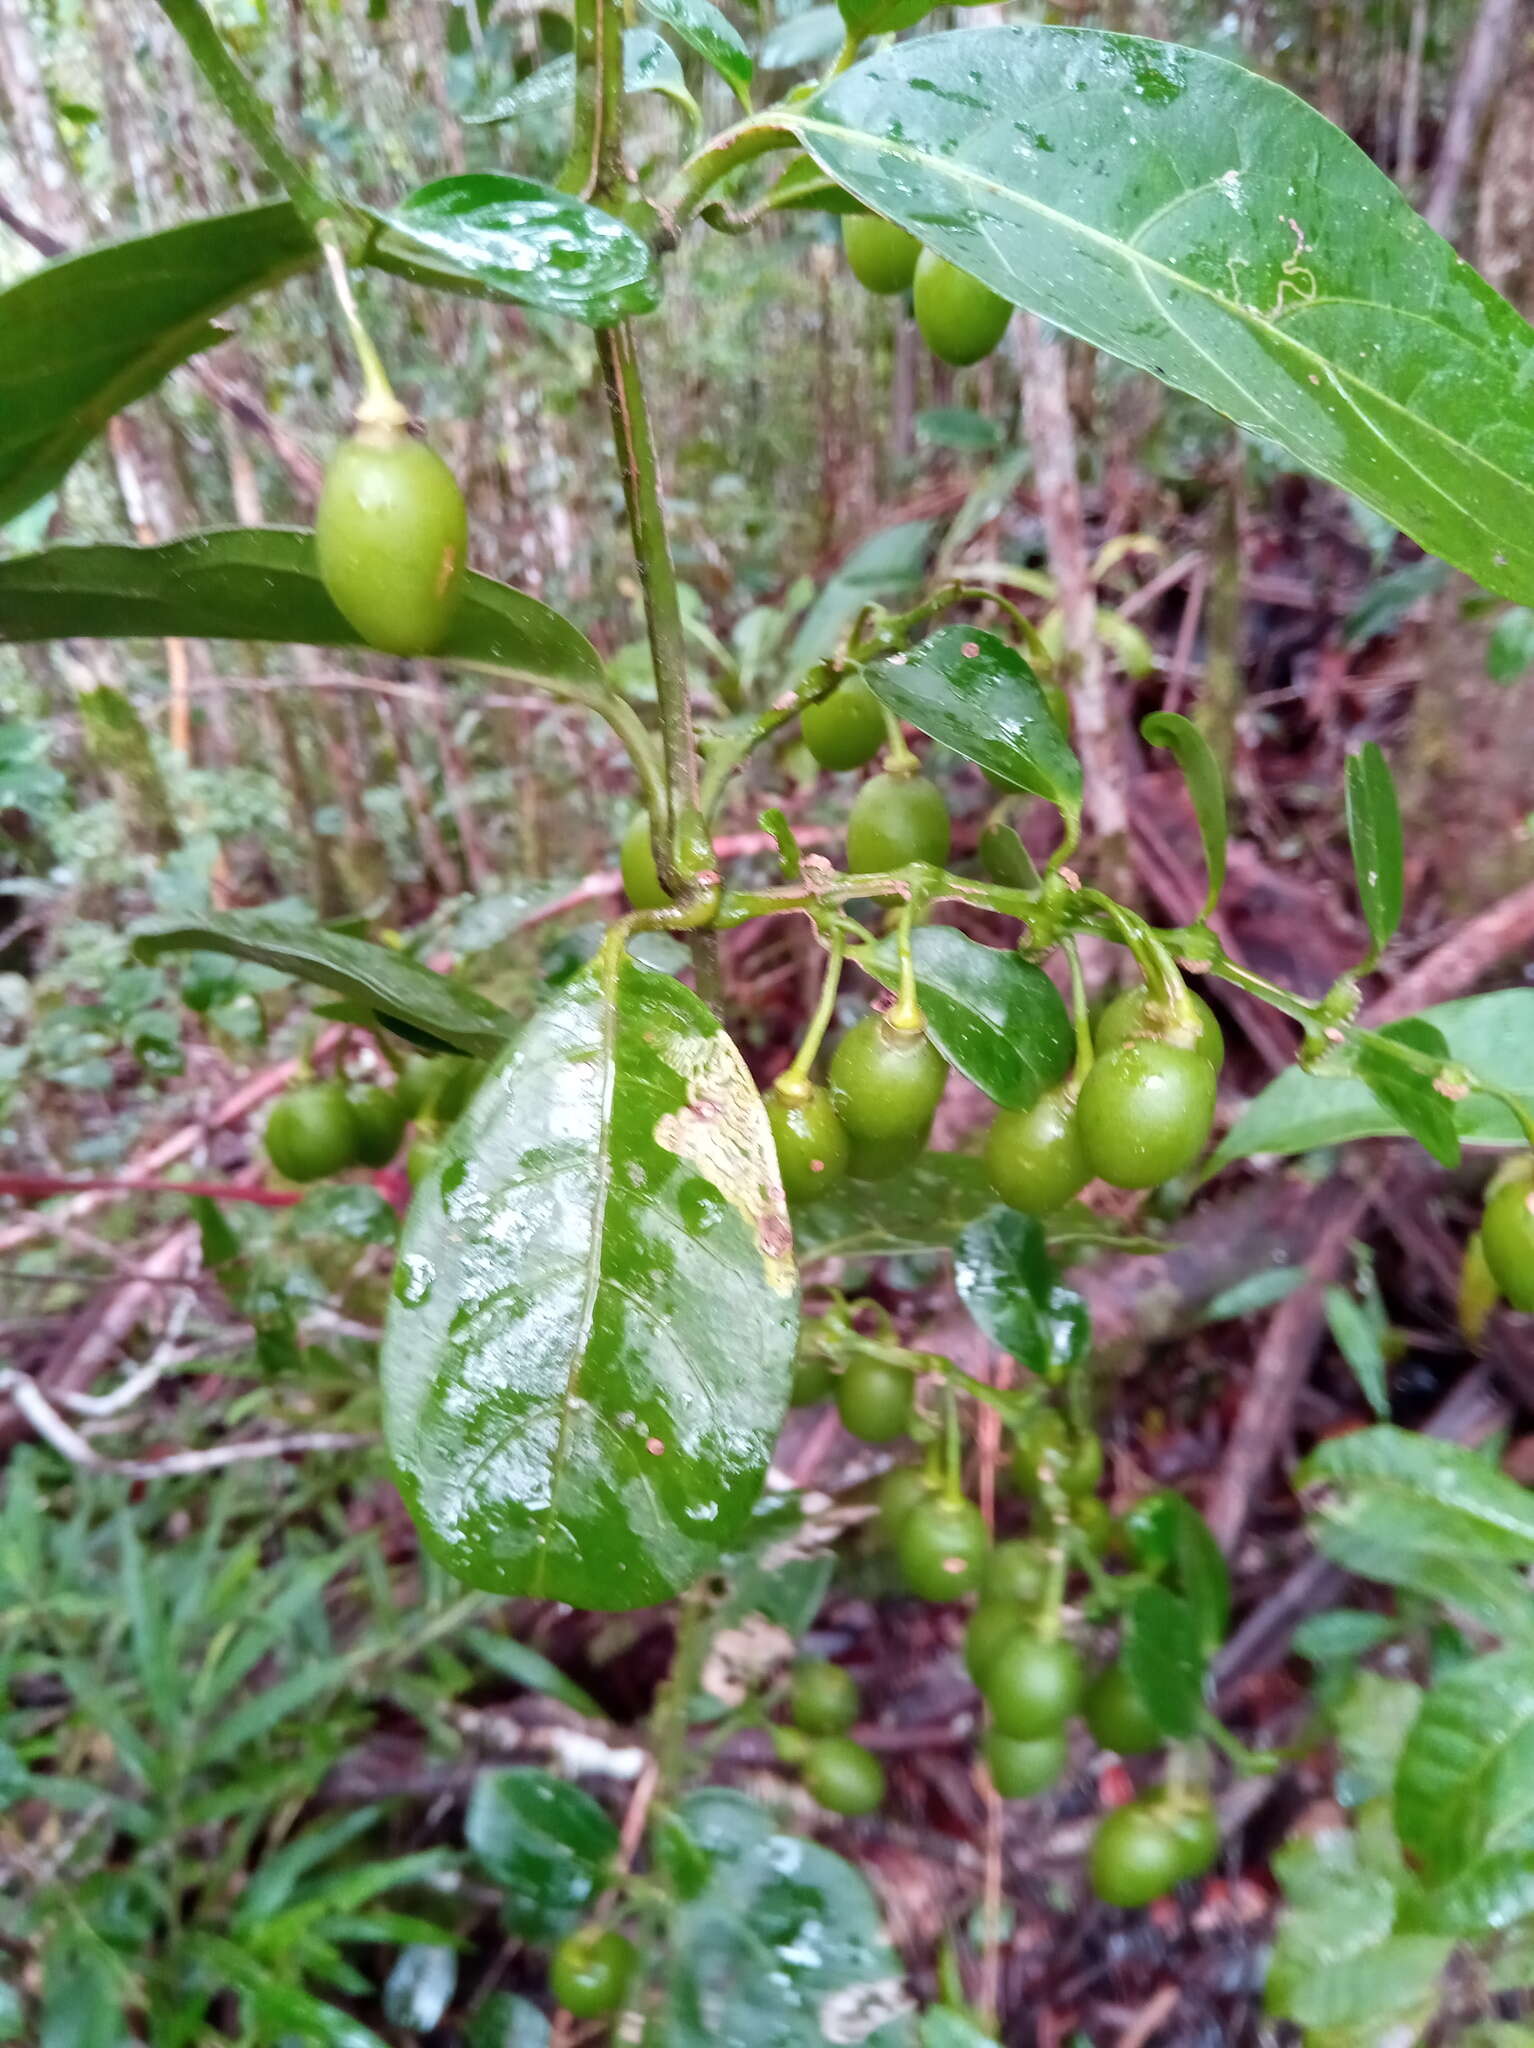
<point>1398,1487</point>
<point>259,583</point>
<point>1164,1656</point>
<point>1007,1281</point>
<point>83,337</point>
<point>1465,1782</point>
<point>713,35</point>
<point>499,237</point>
<point>547,1845</point>
<point>779,1947</point>
<point>588,1353</point>
<point>1491,1035</point>
<point>995,1016</point>
<point>1200,221</point>
<point>979,696</point>
<point>385,983</point>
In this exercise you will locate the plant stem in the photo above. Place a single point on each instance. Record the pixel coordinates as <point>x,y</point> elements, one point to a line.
<point>670,1718</point>
<point>244,105</point>
<point>379,406</point>
<point>825,1009</point>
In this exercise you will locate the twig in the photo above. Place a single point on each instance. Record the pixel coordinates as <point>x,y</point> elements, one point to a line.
<point>39,1187</point>
<point>1497,934</point>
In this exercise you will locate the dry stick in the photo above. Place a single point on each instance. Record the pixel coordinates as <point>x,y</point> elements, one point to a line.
<point>1053,441</point>
<point>1485,63</point>
<point>1283,1360</point>
<point>1460,962</point>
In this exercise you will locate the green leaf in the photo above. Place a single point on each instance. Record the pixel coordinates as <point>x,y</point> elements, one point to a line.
<point>494,236</point>
<point>1490,1035</point>
<point>546,1843</point>
<point>1373,1720</point>
<point>1510,650</point>
<point>1006,1280</point>
<point>420,1987</point>
<point>1360,1341</point>
<point>923,1210</point>
<point>1409,1096</point>
<point>882,17</point>
<point>1374,832</point>
<point>385,981</point>
<point>974,693</point>
<point>13,2017</point>
<point>995,1016</point>
<point>1495,1892</point>
<point>1200,221</point>
<point>85,336</point>
<point>1390,598</point>
<point>715,38</point>
<point>530,1668</point>
<point>1392,1990</point>
<point>1164,1658</point>
<point>600,1246</point>
<point>259,583</point>
<point>807,38</point>
<point>1342,1635</point>
<point>885,565</point>
<point>1206,786</point>
<point>958,427</point>
<point>781,1947</point>
<point>649,65</point>
<point>1466,1778</point>
<point>1425,1493</point>
<point>506,2021</point>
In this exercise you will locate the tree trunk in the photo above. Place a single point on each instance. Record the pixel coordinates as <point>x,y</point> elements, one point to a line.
<point>1485,62</point>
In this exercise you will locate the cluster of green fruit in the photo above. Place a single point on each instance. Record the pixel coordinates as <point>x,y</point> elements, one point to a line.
<point>838,1773</point>
<point>322,1128</point>
<point>959,318</point>
<point>1140,1114</point>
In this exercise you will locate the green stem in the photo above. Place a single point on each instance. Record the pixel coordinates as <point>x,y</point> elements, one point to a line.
<point>669,1722</point>
<point>379,406</point>
<point>1084,1051</point>
<point>798,1073</point>
<point>727,752</point>
<point>727,152</point>
<point>907,1015</point>
<point>244,105</point>
<point>607,704</point>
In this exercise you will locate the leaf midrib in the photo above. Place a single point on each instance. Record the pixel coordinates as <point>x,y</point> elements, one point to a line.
<point>1137,259</point>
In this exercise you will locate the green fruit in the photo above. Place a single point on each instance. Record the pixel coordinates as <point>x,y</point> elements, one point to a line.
<point>874,1400</point>
<point>391,539</point>
<point>811,1144</point>
<point>843,1776</point>
<point>880,256</point>
<point>1195,1827</point>
<point>822,1698</point>
<point>960,318</point>
<point>1135,1857</point>
<point>1075,1461</point>
<point>636,864</point>
<point>420,1160</point>
<point>1507,1239</point>
<point>1033,1686</point>
<point>1132,1014</point>
<point>417,1083</point>
<point>1021,1770</point>
<point>883,1158</point>
<point>1035,1157</point>
<point>590,1970</point>
<point>380,1120</point>
<point>311,1132</point>
<point>898,1492</point>
<point>886,1083</point>
<point>1095,1522</point>
<point>941,1547</point>
<point>811,1381</point>
<point>1016,1570</point>
<point>845,729</point>
<point>1145,1112</point>
<point>894,820</point>
<point>1117,1716</point>
<point>993,1623</point>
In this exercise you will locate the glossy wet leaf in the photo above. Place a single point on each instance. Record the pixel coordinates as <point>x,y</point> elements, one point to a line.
<point>1374,832</point>
<point>1490,1035</point>
<point>882,17</point>
<point>1206,786</point>
<point>259,583</point>
<point>713,35</point>
<point>1200,221</point>
<point>995,1016</point>
<point>1164,1658</point>
<point>1465,1783</point>
<point>384,981</point>
<point>84,336</point>
<point>979,696</point>
<point>780,1947</point>
<point>420,1986</point>
<point>1008,1283</point>
<point>1170,1537</point>
<point>1493,1893</point>
<point>588,1353</point>
<point>546,1843</point>
<point>807,38</point>
<point>1408,1094</point>
<point>923,1209</point>
<point>499,237</point>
